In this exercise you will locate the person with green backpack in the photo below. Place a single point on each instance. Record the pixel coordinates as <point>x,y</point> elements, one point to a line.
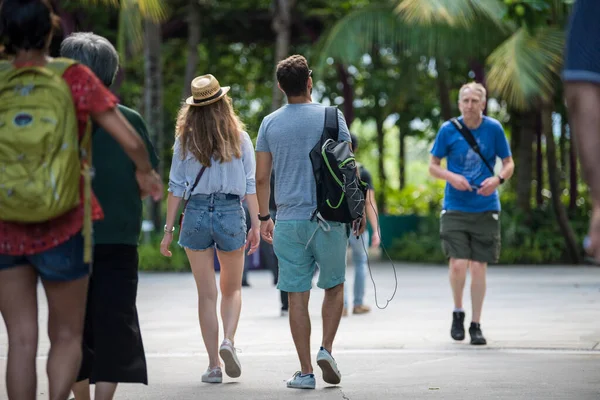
<point>46,202</point>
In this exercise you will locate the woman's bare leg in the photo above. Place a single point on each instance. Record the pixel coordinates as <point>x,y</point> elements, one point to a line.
<point>18,305</point>
<point>203,268</point>
<point>232,269</point>
<point>66,311</point>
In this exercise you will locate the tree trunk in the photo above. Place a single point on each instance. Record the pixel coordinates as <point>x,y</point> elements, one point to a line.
<point>553,178</point>
<point>348,93</point>
<point>403,128</point>
<point>443,90</point>
<point>573,181</point>
<point>540,159</point>
<point>562,148</point>
<point>381,203</point>
<point>153,101</point>
<point>524,173</point>
<point>478,69</point>
<point>282,26</point>
<point>67,19</point>
<point>194,35</point>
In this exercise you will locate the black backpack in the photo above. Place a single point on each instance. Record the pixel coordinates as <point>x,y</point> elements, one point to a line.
<point>340,192</point>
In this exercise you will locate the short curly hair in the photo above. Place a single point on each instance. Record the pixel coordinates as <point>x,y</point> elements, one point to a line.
<point>293,74</point>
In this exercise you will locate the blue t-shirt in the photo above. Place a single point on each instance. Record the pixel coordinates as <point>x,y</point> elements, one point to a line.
<point>462,160</point>
<point>289,134</point>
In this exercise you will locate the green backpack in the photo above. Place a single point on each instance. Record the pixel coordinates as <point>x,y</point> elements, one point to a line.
<point>40,163</point>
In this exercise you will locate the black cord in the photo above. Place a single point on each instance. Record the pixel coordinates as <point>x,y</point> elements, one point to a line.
<point>371,272</point>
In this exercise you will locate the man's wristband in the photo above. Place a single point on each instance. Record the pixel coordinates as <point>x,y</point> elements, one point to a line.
<point>265,218</point>
<point>501,179</point>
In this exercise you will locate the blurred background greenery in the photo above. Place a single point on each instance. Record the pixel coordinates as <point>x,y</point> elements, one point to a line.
<point>394,68</point>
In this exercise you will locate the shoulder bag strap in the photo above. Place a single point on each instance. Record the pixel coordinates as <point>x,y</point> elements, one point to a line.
<point>466,133</point>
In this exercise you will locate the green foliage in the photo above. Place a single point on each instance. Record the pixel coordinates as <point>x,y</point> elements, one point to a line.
<point>532,239</point>
<point>422,199</point>
<point>152,260</point>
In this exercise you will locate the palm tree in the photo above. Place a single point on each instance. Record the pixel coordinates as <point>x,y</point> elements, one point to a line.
<point>139,29</point>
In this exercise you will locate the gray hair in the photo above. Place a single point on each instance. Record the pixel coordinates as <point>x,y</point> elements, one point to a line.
<point>94,51</point>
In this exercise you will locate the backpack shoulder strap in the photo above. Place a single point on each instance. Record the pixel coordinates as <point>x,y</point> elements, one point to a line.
<point>60,65</point>
<point>331,122</point>
<point>466,133</point>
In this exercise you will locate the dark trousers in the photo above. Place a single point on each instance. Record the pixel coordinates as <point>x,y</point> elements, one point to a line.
<point>113,350</point>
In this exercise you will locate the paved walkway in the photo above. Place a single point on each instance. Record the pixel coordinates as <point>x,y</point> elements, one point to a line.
<point>542,326</point>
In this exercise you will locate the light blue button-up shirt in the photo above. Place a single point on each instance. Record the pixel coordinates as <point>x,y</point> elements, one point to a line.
<point>234,177</point>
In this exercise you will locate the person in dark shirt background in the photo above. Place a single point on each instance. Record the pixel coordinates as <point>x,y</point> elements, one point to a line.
<point>360,245</point>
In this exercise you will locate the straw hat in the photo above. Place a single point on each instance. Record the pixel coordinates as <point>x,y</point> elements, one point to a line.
<point>206,90</point>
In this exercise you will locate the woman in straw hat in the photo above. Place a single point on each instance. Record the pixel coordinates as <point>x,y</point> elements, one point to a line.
<point>213,168</point>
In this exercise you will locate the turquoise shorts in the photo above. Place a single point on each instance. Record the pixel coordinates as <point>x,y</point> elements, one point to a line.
<point>298,262</point>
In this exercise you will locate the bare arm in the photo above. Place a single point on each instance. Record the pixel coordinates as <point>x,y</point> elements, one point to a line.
<point>173,203</point>
<point>372,216</point>
<point>119,128</point>
<point>436,170</point>
<point>508,168</point>
<point>372,211</point>
<point>264,164</point>
<point>489,185</point>
<point>252,200</point>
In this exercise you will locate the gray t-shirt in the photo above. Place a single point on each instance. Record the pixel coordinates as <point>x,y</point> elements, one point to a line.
<point>289,134</point>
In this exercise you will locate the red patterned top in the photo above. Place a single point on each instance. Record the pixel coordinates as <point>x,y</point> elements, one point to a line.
<point>90,96</point>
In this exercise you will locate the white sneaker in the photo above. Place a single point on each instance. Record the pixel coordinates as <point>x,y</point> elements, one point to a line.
<point>299,381</point>
<point>331,373</point>
<point>213,375</point>
<point>233,368</point>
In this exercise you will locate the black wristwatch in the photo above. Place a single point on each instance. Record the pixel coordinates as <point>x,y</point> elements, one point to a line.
<point>501,179</point>
<point>265,218</point>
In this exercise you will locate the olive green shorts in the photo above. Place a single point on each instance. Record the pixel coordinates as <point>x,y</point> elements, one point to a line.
<point>471,236</point>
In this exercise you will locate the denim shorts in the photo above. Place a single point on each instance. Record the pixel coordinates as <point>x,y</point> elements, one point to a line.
<point>213,220</point>
<point>62,263</point>
<point>301,245</point>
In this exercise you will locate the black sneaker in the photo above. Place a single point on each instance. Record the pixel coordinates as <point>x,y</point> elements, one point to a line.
<point>458,328</point>
<point>476,335</point>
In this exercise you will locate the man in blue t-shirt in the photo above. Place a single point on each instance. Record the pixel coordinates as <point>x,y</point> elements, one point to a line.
<point>470,221</point>
<point>285,139</point>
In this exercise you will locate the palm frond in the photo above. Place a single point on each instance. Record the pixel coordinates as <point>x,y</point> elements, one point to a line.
<point>154,10</point>
<point>461,13</point>
<point>358,33</point>
<point>526,67</point>
<point>130,34</point>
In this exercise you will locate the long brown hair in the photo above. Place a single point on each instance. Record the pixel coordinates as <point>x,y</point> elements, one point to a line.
<point>211,131</point>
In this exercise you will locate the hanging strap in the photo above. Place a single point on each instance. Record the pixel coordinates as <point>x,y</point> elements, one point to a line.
<point>466,133</point>
<point>194,186</point>
<point>331,122</point>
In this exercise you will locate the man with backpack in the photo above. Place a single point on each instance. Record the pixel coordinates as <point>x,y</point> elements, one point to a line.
<point>470,220</point>
<point>290,141</point>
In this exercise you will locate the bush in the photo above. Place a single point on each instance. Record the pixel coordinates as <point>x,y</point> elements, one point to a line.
<point>532,239</point>
<point>152,260</point>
